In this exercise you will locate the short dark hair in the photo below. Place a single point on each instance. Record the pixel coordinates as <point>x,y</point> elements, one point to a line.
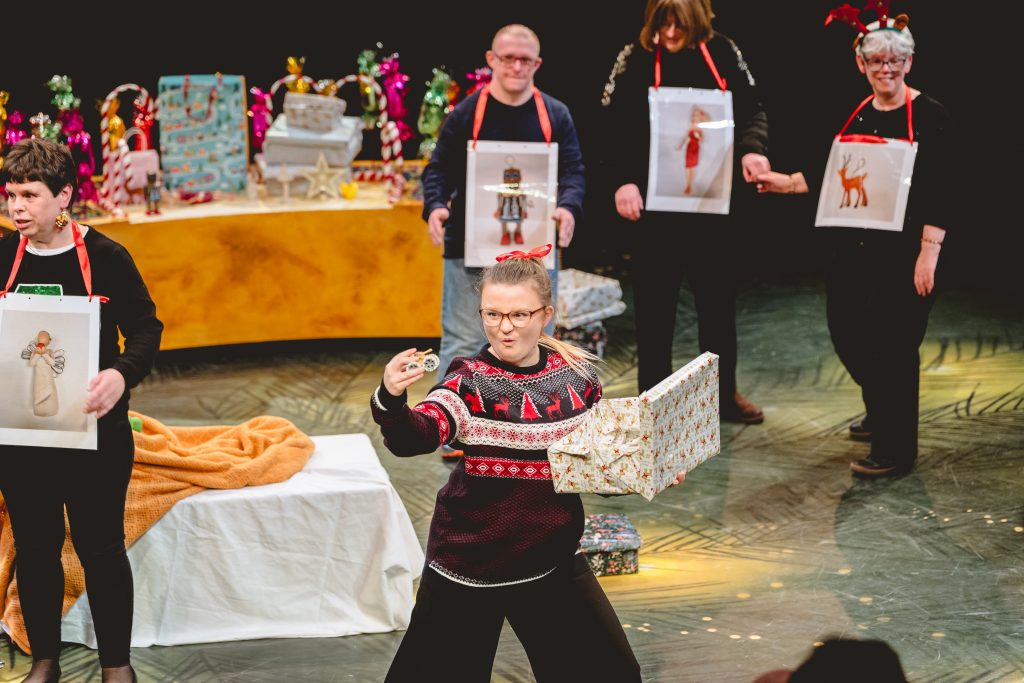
<point>47,161</point>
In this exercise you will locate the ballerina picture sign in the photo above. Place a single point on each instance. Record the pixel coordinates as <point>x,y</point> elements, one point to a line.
<point>49,350</point>
<point>691,150</point>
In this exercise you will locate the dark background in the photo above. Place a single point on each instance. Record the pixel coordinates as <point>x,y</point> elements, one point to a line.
<point>805,74</point>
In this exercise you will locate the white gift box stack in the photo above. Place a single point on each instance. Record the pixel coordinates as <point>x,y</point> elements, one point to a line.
<point>310,125</point>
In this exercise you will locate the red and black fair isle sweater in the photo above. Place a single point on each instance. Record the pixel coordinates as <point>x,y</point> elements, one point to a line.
<point>498,520</point>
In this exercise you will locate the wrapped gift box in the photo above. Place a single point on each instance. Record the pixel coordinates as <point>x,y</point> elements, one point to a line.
<point>638,445</point>
<point>610,543</point>
<point>593,337</point>
<point>286,144</point>
<point>585,298</point>
<point>317,113</point>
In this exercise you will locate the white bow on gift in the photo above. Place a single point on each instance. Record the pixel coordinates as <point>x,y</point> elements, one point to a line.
<point>638,445</point>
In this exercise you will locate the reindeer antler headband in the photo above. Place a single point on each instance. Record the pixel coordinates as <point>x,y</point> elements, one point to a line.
<point>848,14</point>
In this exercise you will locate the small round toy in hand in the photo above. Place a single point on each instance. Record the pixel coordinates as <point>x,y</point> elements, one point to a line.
<point>424,359</point>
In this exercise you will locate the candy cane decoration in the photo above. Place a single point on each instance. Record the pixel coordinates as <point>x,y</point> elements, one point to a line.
<point>124,169</point>
<point>111,188</point>
<point>390,137</point>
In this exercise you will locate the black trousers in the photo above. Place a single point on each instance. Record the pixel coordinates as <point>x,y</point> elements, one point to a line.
<point>658,270</point>
<point>37,484</point>
<point>877,321</point>
<point>564,621</point>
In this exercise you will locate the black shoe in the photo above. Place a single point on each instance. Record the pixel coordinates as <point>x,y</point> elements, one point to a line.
<point>861,430</point>
<point>868,468</point>
<point>740,410</point>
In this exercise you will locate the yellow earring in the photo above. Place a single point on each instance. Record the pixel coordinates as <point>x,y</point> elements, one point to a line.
<point>62,219</point>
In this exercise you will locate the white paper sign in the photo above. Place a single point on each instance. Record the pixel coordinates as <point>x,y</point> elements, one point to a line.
<point>511,190</point>
<point>691,150</point>
<point>49,350</point>
<point>866,184</point>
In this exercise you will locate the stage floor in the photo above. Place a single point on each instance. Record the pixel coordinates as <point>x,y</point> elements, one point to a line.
<point>763,551</point>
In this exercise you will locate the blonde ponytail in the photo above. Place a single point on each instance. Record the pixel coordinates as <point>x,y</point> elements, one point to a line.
<point>580,360</point>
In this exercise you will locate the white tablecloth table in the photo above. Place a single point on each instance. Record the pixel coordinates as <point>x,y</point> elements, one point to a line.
<point>330,552</point>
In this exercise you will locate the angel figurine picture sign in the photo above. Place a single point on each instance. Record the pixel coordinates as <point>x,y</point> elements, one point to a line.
<point>49,350</point>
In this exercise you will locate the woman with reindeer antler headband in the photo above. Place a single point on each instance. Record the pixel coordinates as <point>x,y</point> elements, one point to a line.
<point>881,282</point>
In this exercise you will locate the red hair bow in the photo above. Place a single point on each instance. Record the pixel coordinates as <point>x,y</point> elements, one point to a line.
<point>536,252</point>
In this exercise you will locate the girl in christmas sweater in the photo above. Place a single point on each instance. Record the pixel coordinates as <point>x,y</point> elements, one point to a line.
<point>503,544</point>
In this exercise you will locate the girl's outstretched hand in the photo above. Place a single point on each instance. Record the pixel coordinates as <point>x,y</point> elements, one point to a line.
<point>396,378</point>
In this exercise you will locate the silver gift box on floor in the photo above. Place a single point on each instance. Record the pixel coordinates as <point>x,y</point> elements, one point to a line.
<point>639,445</point>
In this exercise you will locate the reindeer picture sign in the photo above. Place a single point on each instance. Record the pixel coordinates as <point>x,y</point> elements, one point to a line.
<point>866,184</point>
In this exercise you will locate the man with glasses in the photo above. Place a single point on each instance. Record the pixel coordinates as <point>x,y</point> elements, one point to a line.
<point>511,115</point>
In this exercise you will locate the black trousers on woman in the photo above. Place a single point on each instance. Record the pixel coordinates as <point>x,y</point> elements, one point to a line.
<point>667,248</point>
<point>564,621</point>
<point>37,484</point>
<point>877,321</point>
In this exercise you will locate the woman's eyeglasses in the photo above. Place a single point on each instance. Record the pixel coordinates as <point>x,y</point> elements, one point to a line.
<point>493,318</point>
<point>894,64</point>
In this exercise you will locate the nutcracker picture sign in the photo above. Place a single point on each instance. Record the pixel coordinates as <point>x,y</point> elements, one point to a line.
<point>511,190</point>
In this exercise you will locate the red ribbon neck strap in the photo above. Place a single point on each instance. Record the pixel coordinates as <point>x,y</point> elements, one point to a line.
<point>536,252</point>
<point>17,264</point>
<point>481,107</point>
<point>83,262</point>
<point>910,120</point>
<point>707,58</point>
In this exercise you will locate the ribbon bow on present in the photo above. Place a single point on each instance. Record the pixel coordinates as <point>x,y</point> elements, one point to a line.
<point>536,252</point>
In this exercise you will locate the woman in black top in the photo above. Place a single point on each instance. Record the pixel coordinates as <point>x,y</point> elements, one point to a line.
<point>881,284</point>
<point>673,39</point>
<point>37,483</point>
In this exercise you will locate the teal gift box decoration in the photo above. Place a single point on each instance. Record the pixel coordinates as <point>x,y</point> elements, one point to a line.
<point>611,544</point>
<point>203,132</point>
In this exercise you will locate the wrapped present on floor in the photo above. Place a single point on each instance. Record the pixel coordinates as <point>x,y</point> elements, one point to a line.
<point>638,445</point>
<point>593,337</point>
<point>585,298</point>
<point>610,543</point>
